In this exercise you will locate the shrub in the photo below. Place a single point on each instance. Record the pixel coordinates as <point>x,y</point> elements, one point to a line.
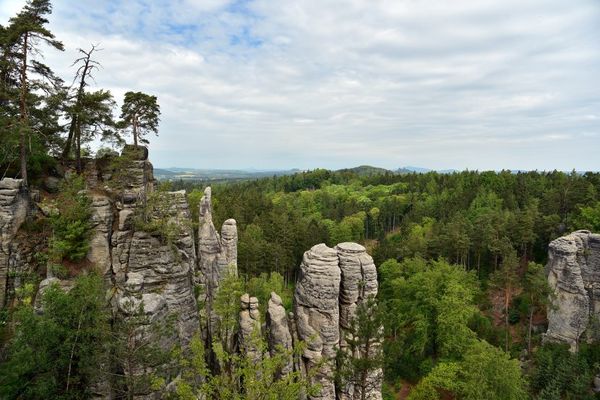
<point>71,226</point>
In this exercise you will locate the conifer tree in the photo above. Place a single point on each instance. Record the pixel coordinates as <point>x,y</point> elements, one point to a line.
<point>140,112</point>
<point>25,74</point>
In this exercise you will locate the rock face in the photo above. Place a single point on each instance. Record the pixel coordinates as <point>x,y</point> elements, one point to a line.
<point>574,275</point>
<point>14,205</point>
<point>332,283</point>
<point>102,219</point>
<point>249,327</point>
<point>358,283</point>
<point>143,244</point>
<point>217,257</point>
<point>278,331</point>
<point>163,270</point>
<point>317,313</point>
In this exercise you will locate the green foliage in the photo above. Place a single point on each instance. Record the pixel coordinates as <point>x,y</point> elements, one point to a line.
<point>429,309</point>
<point>362,357</point>
<point>140,350</point>
<point>71,226</point>
<point>589,217</point>
<point>159,216</point>
<point>57,354</point>
<point>140,112</point>
<point>261,287</point>
<point>560,374</point>
<point>484,373</point>
<point>248,379</point>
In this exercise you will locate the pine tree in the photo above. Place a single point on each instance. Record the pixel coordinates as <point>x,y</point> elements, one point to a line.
<point>140,112</point>
<point>23,37</point>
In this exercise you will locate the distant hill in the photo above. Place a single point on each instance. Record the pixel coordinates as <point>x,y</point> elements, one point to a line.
<point>420,170</point>
<point>192,174</point>
<point>367,170</point>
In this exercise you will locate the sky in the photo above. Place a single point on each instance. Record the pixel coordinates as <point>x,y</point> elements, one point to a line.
<point>272,84</point>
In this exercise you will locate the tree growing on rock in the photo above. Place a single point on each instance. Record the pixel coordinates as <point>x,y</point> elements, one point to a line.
<point>26,78</point>
<point>91,113</point>
<point>360,362</point>
<point>140,113</point>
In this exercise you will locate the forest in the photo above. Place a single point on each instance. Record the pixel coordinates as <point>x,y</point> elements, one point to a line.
<point>461,266</point>
<point>463,294</point>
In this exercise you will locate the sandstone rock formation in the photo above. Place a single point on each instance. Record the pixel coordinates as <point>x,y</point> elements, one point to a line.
<point>249,327</point>
<point>279,337</point>
<point>574,275</point>
<point>358,283</point>
<point>145,268</point>
<point>332,283</point>
<point>217,257</point>
<point>102,220</point>
<point>317,313</point>
<point>14,205</point>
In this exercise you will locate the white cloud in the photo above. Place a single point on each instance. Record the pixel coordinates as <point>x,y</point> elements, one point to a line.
<point>478,84</point>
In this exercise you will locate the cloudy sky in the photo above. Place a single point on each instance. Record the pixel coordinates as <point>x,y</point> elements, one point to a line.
<point>272,84</point>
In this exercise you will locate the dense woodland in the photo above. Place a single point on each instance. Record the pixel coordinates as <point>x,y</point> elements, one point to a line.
<point>460,260</point>
<point>460,256</point>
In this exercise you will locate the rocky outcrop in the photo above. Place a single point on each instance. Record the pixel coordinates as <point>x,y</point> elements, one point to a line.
<point>164,270</point>
<point>249,321</point>
<point>279,338</point>
<point>574,276</point>
<point>358,283</point>
<point>217,257</point>
<point>102,220</point>
<point>316,307</point>
<point>143,244</point>
<point>14,206</point>
<point>332,284</point>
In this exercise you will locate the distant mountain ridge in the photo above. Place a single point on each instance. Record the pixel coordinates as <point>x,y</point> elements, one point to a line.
<point>206,174</point>
<point>194,174</point>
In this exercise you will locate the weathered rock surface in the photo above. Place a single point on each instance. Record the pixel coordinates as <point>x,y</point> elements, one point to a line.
<point>217,257</point>
<point>249,327</point>
<point>316,309</point>
<point>151,265</point>
<point>358,283</point>
<point>574,275</point>
<point>14,206</point>
<point>102,220</point>
<point>278,331</point>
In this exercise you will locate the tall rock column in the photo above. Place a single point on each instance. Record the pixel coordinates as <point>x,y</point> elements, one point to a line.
<point>14,204</point>
<point>217,256</point>
<point>574,275</point>
<point>358,283</point>
<point>317,313</point>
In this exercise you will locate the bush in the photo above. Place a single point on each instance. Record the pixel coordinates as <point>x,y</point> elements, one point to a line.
<point>71,226</point>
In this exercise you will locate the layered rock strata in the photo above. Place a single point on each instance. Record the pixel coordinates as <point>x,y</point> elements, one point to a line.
<point>14,206</point>
<point>574,276</point>
<point>358,284</point>
<point>279,338</point>
<point>317,313</point>
<point>217,257</point>
<point>249,321</point>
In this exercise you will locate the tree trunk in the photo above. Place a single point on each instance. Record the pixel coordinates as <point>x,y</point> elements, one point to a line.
<point>23,126</point>
<point>506,302</point>
<point>78,138</point>
<point>529,331</point>
<point>67,148</point>
<point>135,142</point>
